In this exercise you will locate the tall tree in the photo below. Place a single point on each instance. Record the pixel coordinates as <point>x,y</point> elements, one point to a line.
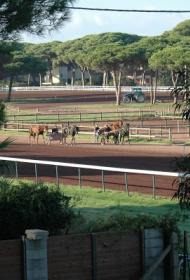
<point>36,16</point>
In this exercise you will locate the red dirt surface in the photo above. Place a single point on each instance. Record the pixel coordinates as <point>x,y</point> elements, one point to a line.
<point>70,96</point>
<point>147,157</point>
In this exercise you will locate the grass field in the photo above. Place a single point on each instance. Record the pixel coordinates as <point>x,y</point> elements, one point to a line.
<point>14,106</point>
<point>94,203</point>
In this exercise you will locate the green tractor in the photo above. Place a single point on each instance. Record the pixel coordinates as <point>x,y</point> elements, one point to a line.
<point>135,94</point>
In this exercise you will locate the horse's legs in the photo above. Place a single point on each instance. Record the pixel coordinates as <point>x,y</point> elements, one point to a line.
<point>43,138</point>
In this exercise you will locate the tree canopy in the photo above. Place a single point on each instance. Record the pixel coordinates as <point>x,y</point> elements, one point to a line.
<point>34,16</point>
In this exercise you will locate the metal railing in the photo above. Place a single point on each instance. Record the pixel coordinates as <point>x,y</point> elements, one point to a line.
<point>89,88</point>
<point>125,171</point>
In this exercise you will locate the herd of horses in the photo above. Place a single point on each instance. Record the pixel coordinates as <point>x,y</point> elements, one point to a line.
<point>115,132</point>
<point>42,130</point>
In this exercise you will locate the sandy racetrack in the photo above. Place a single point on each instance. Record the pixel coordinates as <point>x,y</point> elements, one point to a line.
<point>148,157</point>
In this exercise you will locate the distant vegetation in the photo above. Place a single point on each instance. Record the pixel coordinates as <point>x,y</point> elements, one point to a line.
<point>113,56</point>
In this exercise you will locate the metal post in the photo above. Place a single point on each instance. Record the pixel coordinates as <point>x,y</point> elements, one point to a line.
<point>36,172</point>
<point>178,126</point>
<point>166,123</point>
<point>79,175</point>
<point>126,183</point>
<point>57,175</point>
<point>161,132</point>
<point>170,134</point>
<point>36,118</point>
<point>103,184</point>
<point>153,185</point>
<point>16,169</point>
<point>150,133</point>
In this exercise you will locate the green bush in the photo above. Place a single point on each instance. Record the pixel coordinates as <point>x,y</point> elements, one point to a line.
<point>120,222</point>
<point>182,183</point>
<point>30,206</point>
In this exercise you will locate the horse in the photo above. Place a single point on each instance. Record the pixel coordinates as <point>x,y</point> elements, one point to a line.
<point>35,131</point>
<point>114,134</point>
<point>103,133</point>
<point>73,130</point>
<point>124,132</point>
<point>58,136</point>
<point>116,125</point>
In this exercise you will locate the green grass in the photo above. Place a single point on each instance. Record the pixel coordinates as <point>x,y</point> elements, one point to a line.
<point>94,203</point>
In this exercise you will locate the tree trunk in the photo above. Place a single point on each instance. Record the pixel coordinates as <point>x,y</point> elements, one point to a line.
<point>8,99</point>
<point>50,77</point>
<point>117,83</point>
<point>40,79</point>
<point>72,77</point>
<point>143,78</point>
<point>82,77</point>
<point>155,87</point>
<point>90,77</point>
<point>105,79</point>
<point>28,82</point>
<point>151,89</point>
<point>174,77</point>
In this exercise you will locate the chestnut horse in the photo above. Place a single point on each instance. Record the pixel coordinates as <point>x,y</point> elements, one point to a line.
<point>35,131</point>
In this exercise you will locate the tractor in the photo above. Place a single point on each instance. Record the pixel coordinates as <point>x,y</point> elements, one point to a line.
<point>135,94</point>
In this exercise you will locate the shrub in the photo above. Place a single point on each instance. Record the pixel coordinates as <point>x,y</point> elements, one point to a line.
<point>183,183</point>
<point>122,222</point>
<point>29,206</point>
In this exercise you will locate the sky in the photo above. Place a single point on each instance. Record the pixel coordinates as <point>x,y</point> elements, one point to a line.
<point>83,23</point>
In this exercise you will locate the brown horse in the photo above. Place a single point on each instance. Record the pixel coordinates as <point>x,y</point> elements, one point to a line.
<point>35,131</point>
<point>116,125</point>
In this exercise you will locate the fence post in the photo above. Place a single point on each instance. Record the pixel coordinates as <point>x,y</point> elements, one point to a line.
<point>79,175</point>
<point>57,175</point>
<point>16,169</point>
<point>150,133</point>
<point>153,185</point>
<point>36,172</point>
<point>174,257</point>
<point>153,247</point>
<point>178,126</point>
<point>36,254</point>
<point>161,132</point>
<point>169,134</point>
<point>166,123</point>
<point>126,184</point>
<point>94,256</point>
<point>103,183</point>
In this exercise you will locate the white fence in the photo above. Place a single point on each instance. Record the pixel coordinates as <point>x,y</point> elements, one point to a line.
<point>125,171</point>
<point>89,88</point>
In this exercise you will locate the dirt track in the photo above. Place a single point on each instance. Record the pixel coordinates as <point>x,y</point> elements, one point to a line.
<point>148,157</point>
<point>69,96</point>
<point>126,156</point>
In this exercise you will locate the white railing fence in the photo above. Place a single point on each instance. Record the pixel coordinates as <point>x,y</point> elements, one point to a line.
<point>89,88</point>
<point>124,171</point>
